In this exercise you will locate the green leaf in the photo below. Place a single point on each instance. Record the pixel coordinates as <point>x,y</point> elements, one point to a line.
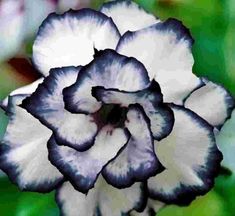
<point>147,4</point>
<point>229,45</point>
<point>30,204</point>
<point>9,197</point>
<point>13,202</point>
<point>210,205</point>
<point>225,186</point>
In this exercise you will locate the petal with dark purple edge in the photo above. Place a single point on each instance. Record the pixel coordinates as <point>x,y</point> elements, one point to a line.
<point>25,90</point>
<point>160,115</point>
<point>103,199</point>
<point>110,70</point>
<point>153,206</point>
<point>46,104</point>
<point>212,102</point>
<point>137,161</point>
<point>165,51</point>
<point>152,93</point>
<point>83,168</point>
<point>191,158</point>
<point>70,39</point>
<point>23,152</point>
<point>127,15</point>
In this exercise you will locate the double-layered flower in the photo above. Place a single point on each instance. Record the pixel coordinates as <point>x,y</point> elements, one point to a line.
<point>118,124</point>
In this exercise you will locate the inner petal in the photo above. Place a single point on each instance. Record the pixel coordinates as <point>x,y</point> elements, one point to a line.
<point>137,161</point>
<point>108,69</point>
<point>47,105</point>
<point>83,168</point>
<point>160,115</point>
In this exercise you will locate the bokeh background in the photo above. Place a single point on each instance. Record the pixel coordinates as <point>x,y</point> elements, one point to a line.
<point>212,24</point>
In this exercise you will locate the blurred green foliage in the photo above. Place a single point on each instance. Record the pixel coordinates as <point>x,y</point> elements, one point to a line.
<point>212,23</point>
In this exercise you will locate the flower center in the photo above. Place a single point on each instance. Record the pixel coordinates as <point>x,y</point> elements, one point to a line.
<point>111,114</point>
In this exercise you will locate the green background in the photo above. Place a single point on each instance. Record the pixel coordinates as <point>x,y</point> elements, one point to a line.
<point>212,24</point>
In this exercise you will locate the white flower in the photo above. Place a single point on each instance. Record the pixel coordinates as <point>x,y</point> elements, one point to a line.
<point>119,121</point>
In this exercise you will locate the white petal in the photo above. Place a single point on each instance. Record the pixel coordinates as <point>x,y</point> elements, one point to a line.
<point>103,199</point>
<point>191,159</point>
<point>25,90</point>
<point>24,155</point>
<point>160,115</point>
<point>46,104</point>
<point>127,15</point>
<point>110,70</point>
<point>212,102</point>
<point>165,51</point>
<point>70,39</point>
<point>83,168</point>
<point>137,161</point>
<point>153,206</point>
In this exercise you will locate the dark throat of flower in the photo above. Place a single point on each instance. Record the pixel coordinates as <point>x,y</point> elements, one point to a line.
<point>111,114</point>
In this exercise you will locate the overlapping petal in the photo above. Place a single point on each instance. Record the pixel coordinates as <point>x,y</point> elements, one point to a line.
<point>211,96</point>
<point>103,199</point>
<point>128,16</point>
<point>70,39</point>
<point>23,151</point>
<point>47,104</point>
<point>165,51</point>
<point>23,91</point>
<point>191,158</point>
<point>83,168</point>
<point>160,115</point>
<point>110,70</point>
<point>137,161</point>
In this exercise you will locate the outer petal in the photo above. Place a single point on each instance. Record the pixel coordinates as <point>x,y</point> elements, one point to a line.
<point>103,200</point>
<point>191,159</point>
<point>46,104</point>
<point>70,39</point>
<point>153,206</point>
<point>25,90</point>
<point>83,168</point>
<point>212,102</point>
<point>165,51</point>
<point>23,153</point>
<point>110,70</point>
<point>127,15</point>
<point>138,160</point>
<point>160,115</point>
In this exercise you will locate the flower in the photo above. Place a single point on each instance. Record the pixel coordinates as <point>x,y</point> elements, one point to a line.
<point>118,124</point>
<point>19,20</point>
